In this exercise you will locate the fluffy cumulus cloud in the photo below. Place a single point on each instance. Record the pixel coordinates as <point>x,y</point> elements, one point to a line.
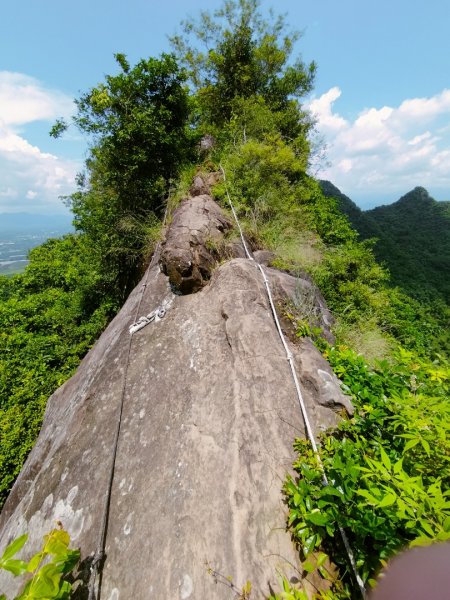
<point>389,150</point>
<point>31,180</point>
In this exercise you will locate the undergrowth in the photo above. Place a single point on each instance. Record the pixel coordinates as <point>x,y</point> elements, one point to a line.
<point>282,209</point>
<point>387,467</point>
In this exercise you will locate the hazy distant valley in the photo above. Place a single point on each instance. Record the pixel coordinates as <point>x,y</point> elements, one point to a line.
<point>20,232</point>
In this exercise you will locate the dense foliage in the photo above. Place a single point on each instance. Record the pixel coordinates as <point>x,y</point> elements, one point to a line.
<point>234,58</point>
<point>413,240</point>
<point>49,317</point>
<point>138,121</point>
<point>388,467</point>
<point>283,209</point>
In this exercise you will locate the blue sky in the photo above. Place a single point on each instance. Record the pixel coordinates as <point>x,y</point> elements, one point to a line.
<point>382,94</point>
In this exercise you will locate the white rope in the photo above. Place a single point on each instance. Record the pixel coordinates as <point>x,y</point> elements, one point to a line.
<point>303,409</point>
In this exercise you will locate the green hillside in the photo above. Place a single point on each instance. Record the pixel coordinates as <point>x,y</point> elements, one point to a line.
<point>413,239</point>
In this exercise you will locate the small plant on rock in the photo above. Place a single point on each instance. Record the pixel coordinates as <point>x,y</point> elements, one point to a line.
<point>47,568</point>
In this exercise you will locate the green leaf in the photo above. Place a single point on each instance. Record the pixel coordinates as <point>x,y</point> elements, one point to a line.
<point>70,560</point>
<point>388,500</point>
<point>65,591</point>
<point>14,566</point>
<point>446,524</point>
<point>398,466</point>
<point>14,547</point>
<point>35,561</point>
<point>317,518</point>
<point>57,542</point>
<point>309,544</point>
<point>46,582</point>
<point>385,459</point>
<point>410,445</point>
<point>426,527</point>
<point>331,491</point>
<point>425,445</point>
<point>368,496</point>
<point>308,566</point>
<point>321,558</point>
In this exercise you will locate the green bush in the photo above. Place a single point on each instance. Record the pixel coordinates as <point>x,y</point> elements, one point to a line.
<point>49,318</point>
<point>387,467</point>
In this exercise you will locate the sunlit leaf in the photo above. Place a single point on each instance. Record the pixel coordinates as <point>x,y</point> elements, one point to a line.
<point>14,547</point>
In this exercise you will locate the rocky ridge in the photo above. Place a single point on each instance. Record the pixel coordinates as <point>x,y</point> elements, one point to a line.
<point>209,417</point>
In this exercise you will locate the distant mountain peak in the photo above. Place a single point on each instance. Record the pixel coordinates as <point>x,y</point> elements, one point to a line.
<point>413,239</point>
<point>418,193</point>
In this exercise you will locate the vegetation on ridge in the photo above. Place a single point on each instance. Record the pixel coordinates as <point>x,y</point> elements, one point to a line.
<point>413,240</point>
<point>144,123</point>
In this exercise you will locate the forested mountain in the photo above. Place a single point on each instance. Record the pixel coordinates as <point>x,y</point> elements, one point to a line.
<point>221,117</point>
<point>413,239</point>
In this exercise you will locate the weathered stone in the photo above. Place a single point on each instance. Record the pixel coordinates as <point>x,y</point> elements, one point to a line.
<point>263,257</point>
<point>209,417</point>
<point>305,298</point>
<point>199,187</point>
<point>203,182</point>
<point>191,249</point>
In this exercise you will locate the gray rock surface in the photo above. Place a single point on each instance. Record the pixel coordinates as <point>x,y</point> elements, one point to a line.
<point>203,182</point>
<point>209,417</point>
<point>192,245</point>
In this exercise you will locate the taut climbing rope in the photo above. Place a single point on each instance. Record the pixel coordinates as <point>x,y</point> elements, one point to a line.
<point>290,359</point>
<point>99,556</point>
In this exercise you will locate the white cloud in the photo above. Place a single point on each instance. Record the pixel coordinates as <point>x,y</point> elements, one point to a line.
<point>426,108</point>
<point>30,179</point>
<point>322,109</point>
<point>387,150</point>
<point>24,99</point>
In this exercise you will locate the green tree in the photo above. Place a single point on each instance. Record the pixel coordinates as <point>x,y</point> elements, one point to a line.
<point>138,121</point>
<point>50,316</point>
<point>234,54</point>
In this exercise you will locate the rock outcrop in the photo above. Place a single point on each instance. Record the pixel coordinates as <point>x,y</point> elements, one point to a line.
<point>190,251</point>
<point>209,417</point>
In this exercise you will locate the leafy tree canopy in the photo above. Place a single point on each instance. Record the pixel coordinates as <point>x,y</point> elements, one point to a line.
<point>138,121</point>
<point>235,54</point>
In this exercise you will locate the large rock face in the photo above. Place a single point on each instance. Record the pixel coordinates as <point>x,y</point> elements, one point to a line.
<point>209,417</point>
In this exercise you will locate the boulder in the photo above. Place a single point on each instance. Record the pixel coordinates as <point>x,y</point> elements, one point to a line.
<point>203,182</point>
<point>191,248</point>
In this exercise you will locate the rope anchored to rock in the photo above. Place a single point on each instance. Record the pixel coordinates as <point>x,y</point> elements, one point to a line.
<point>290,359</point>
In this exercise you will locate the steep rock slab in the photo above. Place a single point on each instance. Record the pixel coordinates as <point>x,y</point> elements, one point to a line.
<point>209,417</point>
